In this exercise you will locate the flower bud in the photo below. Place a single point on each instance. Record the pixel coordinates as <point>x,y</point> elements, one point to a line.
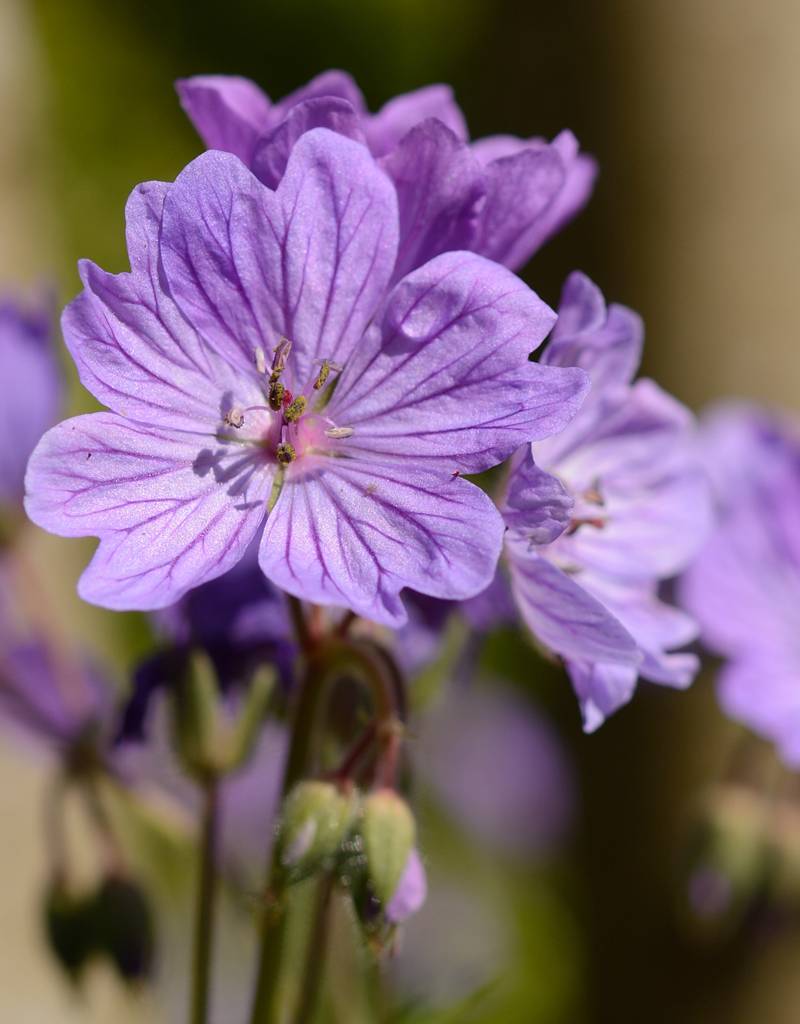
<point>195,708</point>
<point>123,926</point>
<point>317,817</point>
<point>69,926</point>
<point>389,832</point>
<point>245,730</point>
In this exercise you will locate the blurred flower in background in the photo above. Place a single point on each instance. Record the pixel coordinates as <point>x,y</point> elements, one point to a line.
<point>744,588</point>
<point>31,388</point>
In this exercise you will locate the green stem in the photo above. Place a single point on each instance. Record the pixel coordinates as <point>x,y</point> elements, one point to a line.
<point>326,660</point>
<point>204,910</point>
<point>315,955</point>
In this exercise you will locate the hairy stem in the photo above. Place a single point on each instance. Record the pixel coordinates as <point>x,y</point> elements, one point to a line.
<point>205,907</point>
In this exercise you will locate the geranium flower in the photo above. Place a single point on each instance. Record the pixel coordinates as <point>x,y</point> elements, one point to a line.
<point>599,515</point>
<point>30,390</point>
<point>255,368</point>
<point>745,585</point>
<point>501,196</point>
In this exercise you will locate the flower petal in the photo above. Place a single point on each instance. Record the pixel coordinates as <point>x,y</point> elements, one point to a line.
<point>355,533</point>
<point>761,691</point>
<point>562,615</point>
<point>601,688</point>
<point>534,188</point>
<point>229,112</point>
<point>607,343</point>
<point>309,262</point>
<point>397,117</point>
<point>133,349</point>
<point>656,627</point>
<point>446,374</point>
<point>650,532</point>
<point>537,504</point>
<point>411,891</point>
<point>274,149</point>
<point>580,175</point>
<point>171,513</point>
<point>519,190</point>
<point>439,188</point>
<point>329,83</point>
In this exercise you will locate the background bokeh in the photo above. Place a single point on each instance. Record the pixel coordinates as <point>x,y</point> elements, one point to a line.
<point>691,109</point>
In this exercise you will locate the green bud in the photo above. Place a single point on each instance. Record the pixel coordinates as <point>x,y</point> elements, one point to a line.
<point>194,713</point>
<point>246,729</point>
<point>389,833</point>
<point>124,929</point>
<point>317,817</point>
<point>69,926</point>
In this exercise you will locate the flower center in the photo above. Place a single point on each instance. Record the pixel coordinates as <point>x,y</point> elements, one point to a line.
<point>291,424</point>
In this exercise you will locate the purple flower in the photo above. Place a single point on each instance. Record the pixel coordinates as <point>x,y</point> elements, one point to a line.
<point>502,197</point>
<point>52,699</point>
<point>54,706</point>
<point>744,587</point>
<point>602,513</point>
<point>30,390</point>
<point>349,438</point>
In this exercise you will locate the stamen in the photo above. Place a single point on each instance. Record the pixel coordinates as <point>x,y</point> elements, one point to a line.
<point>598,522</point>
<point>323,375</point>
<point>594,496</point>
<point>285,453</point>
<point>234,418</point>
<point>295,409</point>
<point>276,393</point>
<point>281,354</point>
<point>261,360</point>
<point>339,432</point>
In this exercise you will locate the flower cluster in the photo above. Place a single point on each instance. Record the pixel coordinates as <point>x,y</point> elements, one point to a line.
<point>319,351</point>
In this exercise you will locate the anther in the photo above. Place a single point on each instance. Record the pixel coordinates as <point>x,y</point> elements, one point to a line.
<point>339,432</point>
<point>594,496</point>
<point>281,354</point>
<point>276,394</point>
<point>261,360</point>
<point>234,418</point>
<point>285,453</point>
<point>323,375</point>
<point>295,409</point>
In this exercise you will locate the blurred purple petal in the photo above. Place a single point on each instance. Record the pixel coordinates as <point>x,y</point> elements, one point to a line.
<point>744,587</point>
<point>499,768</point>
<point>386,129</point>
<point>31,389</point>
<point>411,891</point>
<point>228,112</point>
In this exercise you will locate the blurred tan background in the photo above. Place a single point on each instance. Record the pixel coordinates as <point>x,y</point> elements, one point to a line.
<point>692,109</point>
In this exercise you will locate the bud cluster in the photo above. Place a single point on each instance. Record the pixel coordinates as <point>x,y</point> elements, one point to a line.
<point>366,840</point>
